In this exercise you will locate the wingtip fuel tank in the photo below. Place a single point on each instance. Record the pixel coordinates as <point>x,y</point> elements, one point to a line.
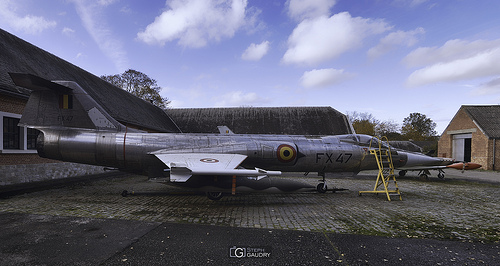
<point>464,166</point>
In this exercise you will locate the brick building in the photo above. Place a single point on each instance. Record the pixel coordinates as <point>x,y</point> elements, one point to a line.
<point>473,135</point>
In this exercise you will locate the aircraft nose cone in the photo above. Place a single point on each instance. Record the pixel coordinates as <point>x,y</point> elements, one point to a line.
<point>418,159</point>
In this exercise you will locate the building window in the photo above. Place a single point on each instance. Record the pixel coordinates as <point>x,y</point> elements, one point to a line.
<point>11,133</point>
<point>32,135</point>
<point>15,139</point>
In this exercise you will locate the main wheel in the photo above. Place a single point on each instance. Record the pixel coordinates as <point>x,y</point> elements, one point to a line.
<point>214,195</point>
<point>402,173</point>
<point>321,188</point>
<point>441,175</point>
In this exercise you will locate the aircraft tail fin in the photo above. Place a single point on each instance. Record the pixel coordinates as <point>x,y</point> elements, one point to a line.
<point>55,104</point>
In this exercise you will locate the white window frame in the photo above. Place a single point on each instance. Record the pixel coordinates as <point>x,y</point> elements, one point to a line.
<point>23,138</point>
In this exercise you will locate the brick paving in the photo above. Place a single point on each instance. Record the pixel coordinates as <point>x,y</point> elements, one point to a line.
<point>436,209</point>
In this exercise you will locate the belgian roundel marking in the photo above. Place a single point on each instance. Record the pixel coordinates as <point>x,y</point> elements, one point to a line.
<point>209,160</point>
<point>286,153</point>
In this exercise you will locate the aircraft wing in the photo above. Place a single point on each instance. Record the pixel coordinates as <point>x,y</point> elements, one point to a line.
<point>184,165</point>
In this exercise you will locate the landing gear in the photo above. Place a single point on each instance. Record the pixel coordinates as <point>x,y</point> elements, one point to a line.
<point>214,195</point>
<point>441,174</point>
<point>424,175</point>
<point>402,173</point>
<point>321,188</point>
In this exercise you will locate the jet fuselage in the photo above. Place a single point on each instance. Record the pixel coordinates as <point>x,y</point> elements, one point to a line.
<point>132,151</point>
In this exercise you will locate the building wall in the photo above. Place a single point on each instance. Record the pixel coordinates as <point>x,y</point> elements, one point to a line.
<point>12,104</point>
<point>480,147</point>
<point>496,164</point>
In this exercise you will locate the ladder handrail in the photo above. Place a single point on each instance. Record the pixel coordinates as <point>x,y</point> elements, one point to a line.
<point>383,179</point>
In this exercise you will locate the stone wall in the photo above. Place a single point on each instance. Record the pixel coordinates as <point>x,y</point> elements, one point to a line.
<point>26,173</point>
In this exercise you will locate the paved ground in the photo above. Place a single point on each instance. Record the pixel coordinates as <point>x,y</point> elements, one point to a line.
<point>439,222</point>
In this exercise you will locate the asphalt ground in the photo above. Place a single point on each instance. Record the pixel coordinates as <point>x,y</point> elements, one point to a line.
<point>454,221</point>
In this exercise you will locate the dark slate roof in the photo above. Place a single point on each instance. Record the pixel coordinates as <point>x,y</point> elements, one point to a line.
<point>263,120</point>
<point>19,56</point>
<point>487,117</point>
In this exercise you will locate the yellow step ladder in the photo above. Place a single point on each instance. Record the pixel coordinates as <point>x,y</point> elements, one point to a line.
<point>385,175</point>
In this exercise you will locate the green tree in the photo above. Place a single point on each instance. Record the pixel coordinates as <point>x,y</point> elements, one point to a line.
<point>140,85</point>
<point>418,127</point>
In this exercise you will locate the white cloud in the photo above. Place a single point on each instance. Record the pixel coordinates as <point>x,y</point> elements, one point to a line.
<point>317,40</point>
<point>300,9</point>
<point>450,51</point>
<point>106,2</point>
<point>414,3</point>
<point>94,22</point>
<point>239,98</point>
<point>255,51</point>
<point>483,64</point>
<point>28,23</point>
<point>68,31</point>
<point>320,78</point>
<point>196,22</point>
<point>410,3</point>
<point>489,88</point>
<point>397,38</point>
<point>455,60</point>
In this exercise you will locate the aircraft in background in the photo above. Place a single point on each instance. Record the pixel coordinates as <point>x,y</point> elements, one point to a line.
<point>75,128</point>
<point>424,171</point>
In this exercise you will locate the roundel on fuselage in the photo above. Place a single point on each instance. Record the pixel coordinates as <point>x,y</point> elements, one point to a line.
<point>286,153</point>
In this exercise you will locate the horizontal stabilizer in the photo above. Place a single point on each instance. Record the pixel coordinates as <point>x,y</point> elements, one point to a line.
<point>33,82</point>
<point>57,104</point>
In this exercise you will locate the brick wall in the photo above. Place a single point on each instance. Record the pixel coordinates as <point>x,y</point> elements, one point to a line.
<point>11,104</point>
<point>497,155</point>
<point>481,145</point>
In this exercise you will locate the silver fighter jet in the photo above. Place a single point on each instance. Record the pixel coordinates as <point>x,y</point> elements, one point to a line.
<point>75,128</point>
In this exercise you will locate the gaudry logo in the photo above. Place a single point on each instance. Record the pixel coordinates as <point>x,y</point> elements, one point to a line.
<point>249,252</point>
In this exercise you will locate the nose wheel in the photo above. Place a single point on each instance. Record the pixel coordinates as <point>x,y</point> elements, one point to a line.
<point>323,188</point>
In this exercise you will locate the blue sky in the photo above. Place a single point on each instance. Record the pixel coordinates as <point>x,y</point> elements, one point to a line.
<point>385,57</point>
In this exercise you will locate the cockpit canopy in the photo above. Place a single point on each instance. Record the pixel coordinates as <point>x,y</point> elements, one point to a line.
<point>363,140</point>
